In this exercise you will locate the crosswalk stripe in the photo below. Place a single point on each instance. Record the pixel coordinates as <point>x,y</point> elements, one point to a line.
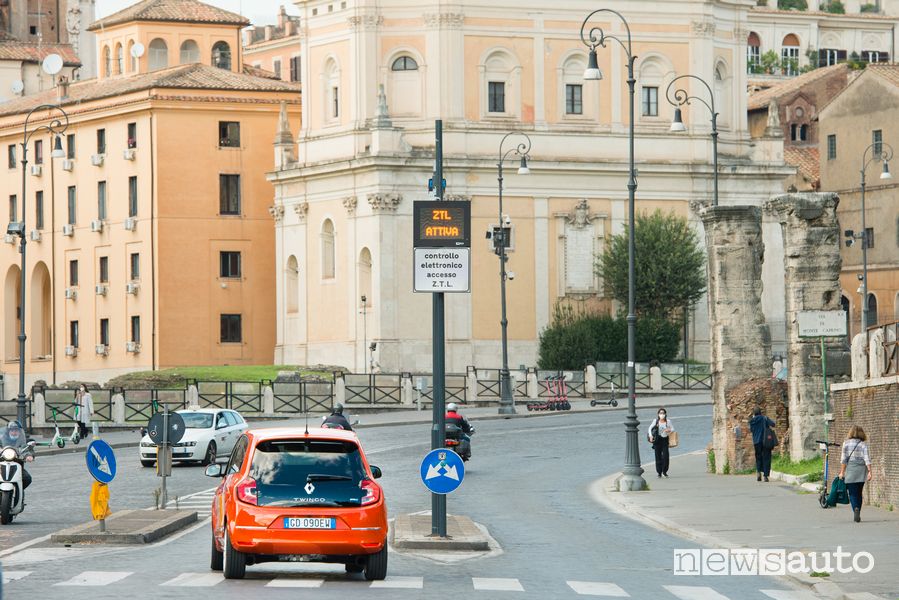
<point>195,580</point>
<point>415,583</point>
<point>287,582</point>
<point>862,596</point>
<point>96,578</point>
<point>496,584</point>
<point>597,588</point>
<point>789,594</point>
<point>13,575</point>
<point>689,592</point>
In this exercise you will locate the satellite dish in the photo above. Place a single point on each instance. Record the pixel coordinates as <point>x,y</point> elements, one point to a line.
<point>18,86</point>
<point>52,64</point>
<point>137,50</point>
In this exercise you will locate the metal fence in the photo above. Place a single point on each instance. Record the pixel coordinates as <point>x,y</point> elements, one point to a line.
<point>488,383</point>
<point>373,388</point>
<point>611,373</point>
<point>62,401</point>
<point>686,376</point>
<point>455,386</point>
<point>140,405</point>
<point>548,387</point>
<point>303,396</point>
<point>890,348</point>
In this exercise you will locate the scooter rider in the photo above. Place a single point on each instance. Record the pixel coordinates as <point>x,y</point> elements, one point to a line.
<point>337,419</point>
<point>15,437</point>
<point>453,417</point>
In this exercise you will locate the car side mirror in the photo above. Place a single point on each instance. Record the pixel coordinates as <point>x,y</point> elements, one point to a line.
<point>375,472</point>
<point>216,470</point>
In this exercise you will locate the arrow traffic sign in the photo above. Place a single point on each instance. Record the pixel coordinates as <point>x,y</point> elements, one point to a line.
<point>442,471</point>
<point>101,462</point>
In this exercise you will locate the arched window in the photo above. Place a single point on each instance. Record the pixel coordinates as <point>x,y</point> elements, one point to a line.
<point>722,94</point>
<point>844,304</point>
<point>292,287</point>
<point>500,85</point>
<point>872,310</point>
<point>190,52</point>
<point>789,54</point>
<point>11,318</point>
<point>365,277</point>
<point>572,90</point>
<point>159,54</point>
<point>404,63</point>
<point>221,55</point>
<point>133,59</point>
<point>119,59</point>
<point>328,250</point>
<point>332,91</point>
<point>107,61</point>
<point>803,133</point>
<point>655,71</point>
<point>40,305</point>
<point>753,53</point>
<point>896,307</point>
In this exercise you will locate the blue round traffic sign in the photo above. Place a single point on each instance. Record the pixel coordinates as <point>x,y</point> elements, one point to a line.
<point>442,471</point>
<point>101,461</point>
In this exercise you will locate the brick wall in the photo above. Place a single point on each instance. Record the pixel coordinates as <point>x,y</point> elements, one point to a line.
<point>876,410</point>
<point>771,396</point>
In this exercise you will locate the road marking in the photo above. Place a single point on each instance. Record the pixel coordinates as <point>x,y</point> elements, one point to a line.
<point>180,534</point>
<point>195,580</point>
<point>93,578</point>
<point>14,575</point>
<point>24,545</point>
<point>496,584</point>
<point>596,588</point>
<point>863,596</point>
<point>689,592</point>
<point>414,583</point>
<point>789,594</point>
<point>287,582</point>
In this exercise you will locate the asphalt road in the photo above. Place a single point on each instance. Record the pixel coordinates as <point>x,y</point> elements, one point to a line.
<point>527,483</point>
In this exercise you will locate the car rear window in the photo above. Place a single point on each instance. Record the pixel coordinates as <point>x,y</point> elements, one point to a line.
<point>303,472</point>
<point>196,420</point>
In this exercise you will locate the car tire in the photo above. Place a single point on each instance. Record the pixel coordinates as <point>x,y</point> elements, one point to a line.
<point>376,565</point>
<point>217,557</point>
<point>209,458</point>
<point>234,563</point>
<point>147,463</point>
<point>352,567</point>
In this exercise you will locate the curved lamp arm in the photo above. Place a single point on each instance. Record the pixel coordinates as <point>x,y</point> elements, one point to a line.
<point>681,96</point>
<point>596,36</point>
<point>522,149</point>
<point>885,155</point>
<point>55,127</point>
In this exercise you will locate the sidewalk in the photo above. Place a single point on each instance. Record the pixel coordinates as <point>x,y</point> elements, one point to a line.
<point>736,511</point>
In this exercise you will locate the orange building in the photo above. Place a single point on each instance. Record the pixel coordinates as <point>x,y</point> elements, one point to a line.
<point>151,244</point>
<point>275,48</point>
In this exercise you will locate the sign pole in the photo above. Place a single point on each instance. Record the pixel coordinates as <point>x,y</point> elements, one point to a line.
<point>165,451</point>
<point>438,501</point>
<point>826,391</point>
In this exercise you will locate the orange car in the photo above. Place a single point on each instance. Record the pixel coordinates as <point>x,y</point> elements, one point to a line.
<point>298,495</point>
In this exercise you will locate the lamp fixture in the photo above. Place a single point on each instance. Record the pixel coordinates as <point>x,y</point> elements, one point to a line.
<point>677,125</point>
<point>593,72</point>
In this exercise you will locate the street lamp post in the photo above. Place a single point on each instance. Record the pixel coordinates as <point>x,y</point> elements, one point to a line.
<point>500,243</point>
<point>681,97</point>
<point>632,473</point>
<point>56,127</point>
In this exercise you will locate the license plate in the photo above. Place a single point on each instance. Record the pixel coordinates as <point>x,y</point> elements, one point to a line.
<point>181,450</point>
<point>309,523</point>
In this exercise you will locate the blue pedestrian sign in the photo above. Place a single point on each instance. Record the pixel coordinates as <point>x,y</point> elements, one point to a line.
<point>101,461</point>
<point>442,471</point>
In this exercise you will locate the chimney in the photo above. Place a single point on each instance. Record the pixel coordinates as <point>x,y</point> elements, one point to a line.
<point>282,17</point>
<point>62,88</point>
<point>269,30</point>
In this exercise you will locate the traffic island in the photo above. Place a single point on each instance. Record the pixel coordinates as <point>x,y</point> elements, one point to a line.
<point>413,532</point>
<point>128,527</point>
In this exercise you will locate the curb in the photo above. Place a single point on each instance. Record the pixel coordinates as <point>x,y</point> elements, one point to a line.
<point>146,533</point>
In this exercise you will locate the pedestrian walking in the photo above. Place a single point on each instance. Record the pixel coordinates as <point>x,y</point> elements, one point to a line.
<point>660,431</point>
<point>757,425</point>
<point>855,468</point>
<point>84,409</point>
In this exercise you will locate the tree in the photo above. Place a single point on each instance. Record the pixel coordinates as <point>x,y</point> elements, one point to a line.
<point>770,62</point>
<point>669,263</point>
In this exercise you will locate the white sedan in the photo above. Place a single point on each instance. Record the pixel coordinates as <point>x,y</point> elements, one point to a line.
<point>208,434</point>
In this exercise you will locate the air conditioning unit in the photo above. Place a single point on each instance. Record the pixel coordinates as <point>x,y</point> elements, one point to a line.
<point>101,289</point>
<point>132,347</point>
<point>97,159</point>
<point>68,229</point>
<point>68,164</point>
<point>101,349</point>
<point>130,224</point>
<point>71,351</point>
<point>71,293</point>
<point>36,170</point>
<point>129,154</point>
<point>97,225</point>
<point>9,238</point>
<point>35,235</point>
<point>131,288</point>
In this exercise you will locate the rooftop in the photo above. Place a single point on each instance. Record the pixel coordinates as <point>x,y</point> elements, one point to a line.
<point>181,11</point>
<point>13,49</point>
<point>888,71</point>
<point>818,13</point>
<point>761,100</point>
<point>806,161</point>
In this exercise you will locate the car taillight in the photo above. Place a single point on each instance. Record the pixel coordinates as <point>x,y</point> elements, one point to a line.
<point>246,491</point>
<point>372,492</point>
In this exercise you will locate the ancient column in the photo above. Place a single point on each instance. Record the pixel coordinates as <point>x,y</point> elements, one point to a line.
<point>740,340</point>
<point>812,265</point>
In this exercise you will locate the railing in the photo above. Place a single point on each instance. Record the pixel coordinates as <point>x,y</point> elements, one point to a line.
<point>575,384</point>
<point>890,348</point>
<point>489,383</point>
<point>9,411</point>
<point>140,405</point>
<point>686,377</point>
<point>455,386</point>
<point>63,402</point>
<point>616,374</point>
<point>303,396</point>
<point>373,388</point>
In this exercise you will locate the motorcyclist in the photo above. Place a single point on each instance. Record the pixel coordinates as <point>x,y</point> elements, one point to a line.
<point>336,418</point>
<point>453,417</point>
<point>12,435</point>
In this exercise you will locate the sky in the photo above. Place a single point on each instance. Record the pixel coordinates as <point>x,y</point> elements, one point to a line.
<point>260,12</point>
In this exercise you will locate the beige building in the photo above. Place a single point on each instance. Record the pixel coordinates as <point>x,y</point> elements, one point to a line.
<point>376,78</point>
<point>275,48</point>
<point>865,113</point>
<point>150,244</point>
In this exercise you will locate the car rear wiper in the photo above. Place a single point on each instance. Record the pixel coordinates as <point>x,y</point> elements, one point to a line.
<point>326,477</point>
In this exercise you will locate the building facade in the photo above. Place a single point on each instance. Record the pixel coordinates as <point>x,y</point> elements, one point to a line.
<point>275,48</point>
<point>375,80</point>
<point>150,244</point>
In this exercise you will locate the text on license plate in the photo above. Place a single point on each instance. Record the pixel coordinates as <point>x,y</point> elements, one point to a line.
<point>309,523</point>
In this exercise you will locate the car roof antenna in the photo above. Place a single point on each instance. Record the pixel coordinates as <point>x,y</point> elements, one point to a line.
<point>307,422</point>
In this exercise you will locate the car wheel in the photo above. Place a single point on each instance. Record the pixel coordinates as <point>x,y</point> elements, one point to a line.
<point>234,565</point>
<point>217,557</point>
<point>376,565</point>
<point>354,567</point>
<point>147,463</point>
<point>210,454</point>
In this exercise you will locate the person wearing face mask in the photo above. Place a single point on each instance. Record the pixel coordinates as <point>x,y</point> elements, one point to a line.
<point>659,430</point>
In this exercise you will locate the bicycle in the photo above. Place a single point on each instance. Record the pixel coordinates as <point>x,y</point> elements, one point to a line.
<point>825,446</point>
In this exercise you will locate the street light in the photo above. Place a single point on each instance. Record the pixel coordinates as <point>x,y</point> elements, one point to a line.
<point>682,97</point>
<point>632,473</point>
<point>500,243</point>
<point>883,152</point>
<point>56,127</point>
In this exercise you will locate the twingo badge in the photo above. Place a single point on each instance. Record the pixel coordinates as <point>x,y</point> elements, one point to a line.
<point>442,224</point>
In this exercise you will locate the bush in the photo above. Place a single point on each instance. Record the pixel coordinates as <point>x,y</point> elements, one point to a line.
<point>869,8</point>
<point>792,4</point>
<point>834,7</point>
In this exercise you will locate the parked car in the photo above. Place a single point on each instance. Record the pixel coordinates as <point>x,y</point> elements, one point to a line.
<point>208,434</point>
<point>295,494</point>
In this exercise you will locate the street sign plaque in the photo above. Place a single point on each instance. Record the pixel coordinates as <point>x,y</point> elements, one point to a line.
<point>821,323</point>
<point>442,471</point>
<point>101,461</point>
<point>442,270</point>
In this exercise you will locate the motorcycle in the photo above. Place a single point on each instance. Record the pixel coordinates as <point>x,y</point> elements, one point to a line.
<point>457,441</point>
<point>12,491</point>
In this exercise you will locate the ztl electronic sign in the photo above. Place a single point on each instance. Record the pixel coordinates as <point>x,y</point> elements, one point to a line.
<point>442,224</point>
